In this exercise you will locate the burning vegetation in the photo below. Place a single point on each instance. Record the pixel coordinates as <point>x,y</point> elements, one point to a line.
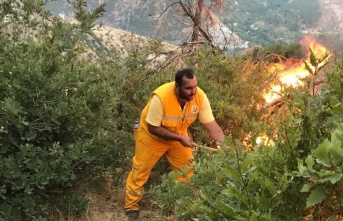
<point>293,74</point>
<point>304,74</point>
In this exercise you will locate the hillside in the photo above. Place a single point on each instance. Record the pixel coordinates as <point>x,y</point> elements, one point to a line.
<point>66,125</point>
<point>107,41</point>
<point>329,27</point>
<point>107,204</point>
<point>254,23</point>
<point>331,20</point>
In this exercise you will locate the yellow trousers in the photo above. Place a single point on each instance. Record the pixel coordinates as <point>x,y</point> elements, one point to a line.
<point>147,153</point>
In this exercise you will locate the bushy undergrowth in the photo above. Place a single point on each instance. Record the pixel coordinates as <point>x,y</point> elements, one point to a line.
<point>299,176</point>
<point>64,119</point>
<point>234,87</point>
<point>58,117</point>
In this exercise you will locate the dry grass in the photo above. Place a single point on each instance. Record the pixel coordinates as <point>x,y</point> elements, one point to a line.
<point>107,203</point>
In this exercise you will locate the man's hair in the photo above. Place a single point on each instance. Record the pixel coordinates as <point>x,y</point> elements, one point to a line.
<point>187,72</point>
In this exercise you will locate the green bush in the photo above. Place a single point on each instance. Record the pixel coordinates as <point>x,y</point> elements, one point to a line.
<point>321,166</point>
<point>57,111</point>
<point>63,118</point>
<point>298,176</point>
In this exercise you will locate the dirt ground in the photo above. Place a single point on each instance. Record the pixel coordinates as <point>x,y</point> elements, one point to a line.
<point>109,206</point>
<point>107,203</point>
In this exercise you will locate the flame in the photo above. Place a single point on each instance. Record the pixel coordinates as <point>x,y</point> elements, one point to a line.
<point>265,140</point>
<point>290,74</point>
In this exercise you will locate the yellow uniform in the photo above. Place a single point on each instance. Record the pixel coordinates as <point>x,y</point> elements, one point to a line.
<point>163,110</point>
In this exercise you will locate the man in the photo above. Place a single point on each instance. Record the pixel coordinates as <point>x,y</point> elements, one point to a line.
<point>164,121</point>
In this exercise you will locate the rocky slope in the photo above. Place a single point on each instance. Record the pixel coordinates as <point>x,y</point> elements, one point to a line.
<point>332,17</point>
<point>152,20</point>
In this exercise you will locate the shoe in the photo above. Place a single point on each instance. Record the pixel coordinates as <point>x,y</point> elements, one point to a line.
<point>132,214</point>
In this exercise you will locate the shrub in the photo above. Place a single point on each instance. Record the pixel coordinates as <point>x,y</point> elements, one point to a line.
<point>56,110</point>
<point>299,176</point>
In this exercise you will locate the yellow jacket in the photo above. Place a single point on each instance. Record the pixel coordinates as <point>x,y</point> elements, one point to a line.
<point>174,119</point>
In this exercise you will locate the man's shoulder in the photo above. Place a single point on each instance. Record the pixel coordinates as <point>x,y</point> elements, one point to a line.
<point>165,88</point>
<point>201,90</point>
<point>167,85</point>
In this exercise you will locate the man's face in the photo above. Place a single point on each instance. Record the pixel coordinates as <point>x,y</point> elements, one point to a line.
<point>188,89</point>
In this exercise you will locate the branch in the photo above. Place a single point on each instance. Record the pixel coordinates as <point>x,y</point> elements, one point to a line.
<point>169,6</point>
<point>187,10</point>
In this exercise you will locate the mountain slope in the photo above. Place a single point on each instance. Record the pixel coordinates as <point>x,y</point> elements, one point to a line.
<point>331,20</point>
<point>256,22</point>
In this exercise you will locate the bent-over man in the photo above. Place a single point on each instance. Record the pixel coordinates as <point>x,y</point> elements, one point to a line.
<point>164,121</point>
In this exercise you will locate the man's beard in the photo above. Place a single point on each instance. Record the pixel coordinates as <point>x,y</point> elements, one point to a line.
<point>183,96</point>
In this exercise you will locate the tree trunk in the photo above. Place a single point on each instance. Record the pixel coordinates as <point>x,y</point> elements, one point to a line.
<point>197,21</point>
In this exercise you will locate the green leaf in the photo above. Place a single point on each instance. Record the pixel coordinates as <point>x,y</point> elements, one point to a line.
<point>337,136</point>
<point>313,59</point>
<point>306,188</point>
<point>317,196</point>
<point>321,153</point>
<point>309,162</point>
<point>308,68</point>
<point>331,176</point>
<point>25,123</point>
<point>303,170</point>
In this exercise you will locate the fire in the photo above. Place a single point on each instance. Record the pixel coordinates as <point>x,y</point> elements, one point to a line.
<point>265,140</point>
<point>290,75</point>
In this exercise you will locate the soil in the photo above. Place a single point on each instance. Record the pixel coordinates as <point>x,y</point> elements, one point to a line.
<point>107,202</point>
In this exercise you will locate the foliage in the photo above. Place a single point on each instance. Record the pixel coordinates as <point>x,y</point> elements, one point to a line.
<point>278,52</point>
<point>56,109</point>
<point>72,205</point>
<point>232,185</point>
<point>323,170</point>
<point>233,86</point>
<point>64,118</point>
<point>271,182</point>
<point>321,166</point>
<point>272,21</point>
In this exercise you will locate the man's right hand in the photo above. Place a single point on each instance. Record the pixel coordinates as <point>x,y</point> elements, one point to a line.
<point>169,135</point>
<point>187,141</point>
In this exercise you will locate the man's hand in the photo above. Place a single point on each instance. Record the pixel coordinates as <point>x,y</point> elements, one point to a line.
<point>187,141</point>
<point>169,135</point>
<point>222,145</point>
<point>215,132</point>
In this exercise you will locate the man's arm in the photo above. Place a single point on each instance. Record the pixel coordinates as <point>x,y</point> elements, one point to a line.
<point>154,119</point>
<point>169,135</point>
<point>207,120</point>
<point>215,132</point>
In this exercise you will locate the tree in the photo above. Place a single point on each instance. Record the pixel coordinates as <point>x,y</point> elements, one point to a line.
<point>198,12</point>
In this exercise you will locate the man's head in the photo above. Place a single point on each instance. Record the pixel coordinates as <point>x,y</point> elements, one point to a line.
<point>186,84</point>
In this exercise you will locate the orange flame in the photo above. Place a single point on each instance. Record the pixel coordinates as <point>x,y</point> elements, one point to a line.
<point>290,75</point>
<point>265,140</point>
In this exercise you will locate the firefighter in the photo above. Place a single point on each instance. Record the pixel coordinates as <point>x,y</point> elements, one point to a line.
<point>162,130</point>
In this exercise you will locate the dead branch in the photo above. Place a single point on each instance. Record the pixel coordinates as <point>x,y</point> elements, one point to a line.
<point>166,9</point>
